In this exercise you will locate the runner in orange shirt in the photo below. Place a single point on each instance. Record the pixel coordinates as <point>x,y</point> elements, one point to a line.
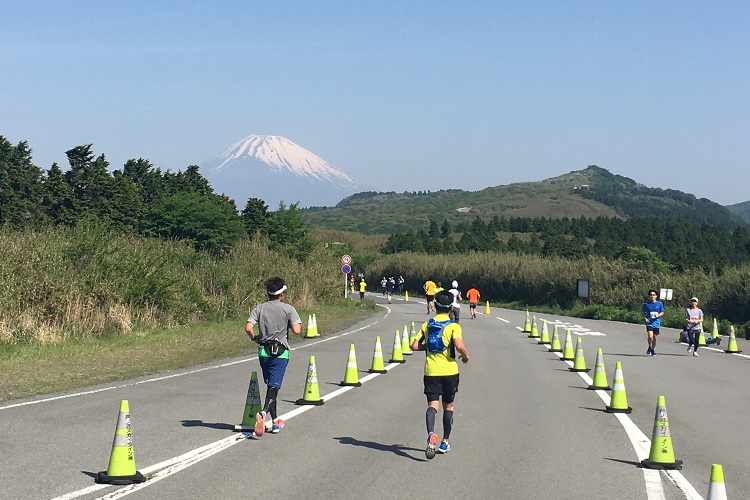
<point>473,297</point>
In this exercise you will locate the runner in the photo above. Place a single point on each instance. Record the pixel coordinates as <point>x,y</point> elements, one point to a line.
<point>441,338</point>
<point>274,319</point>
<point>429,293</point>
<point>473,296</point>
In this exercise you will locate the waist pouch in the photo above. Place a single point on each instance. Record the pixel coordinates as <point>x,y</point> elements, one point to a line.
<point>274,348</point>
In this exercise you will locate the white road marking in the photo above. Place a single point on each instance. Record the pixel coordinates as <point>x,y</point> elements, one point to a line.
<point>503,320</point>
<point>642,446</point>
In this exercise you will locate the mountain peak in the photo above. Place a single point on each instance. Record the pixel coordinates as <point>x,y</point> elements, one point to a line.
<point>274,168</point>
<point>281,154</point>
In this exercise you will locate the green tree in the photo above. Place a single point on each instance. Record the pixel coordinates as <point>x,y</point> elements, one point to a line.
<point>445,229</point>
<point>205,222</point>
<point>21,186</point>
<point>256,217</point>
<point>287,231</point>
<point>90,182</point>
<point>58,198</point>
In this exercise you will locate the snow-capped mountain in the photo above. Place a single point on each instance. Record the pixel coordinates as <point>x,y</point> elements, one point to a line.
<point>275,169</point>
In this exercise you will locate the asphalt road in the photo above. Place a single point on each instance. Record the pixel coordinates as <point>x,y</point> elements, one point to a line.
<point>524,426</point>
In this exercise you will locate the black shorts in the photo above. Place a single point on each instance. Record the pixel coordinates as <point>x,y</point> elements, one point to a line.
<point>429,298</point>
<point>652,329</point>
<point>437,387</point>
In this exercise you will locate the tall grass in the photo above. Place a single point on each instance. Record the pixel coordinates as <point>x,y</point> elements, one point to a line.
<point>88,281</point>
<point>617,290</point>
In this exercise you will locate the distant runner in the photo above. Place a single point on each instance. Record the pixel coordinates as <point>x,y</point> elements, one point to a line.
<point>473,297</point>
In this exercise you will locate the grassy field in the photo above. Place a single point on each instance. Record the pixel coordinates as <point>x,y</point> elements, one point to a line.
<point>35,369</point>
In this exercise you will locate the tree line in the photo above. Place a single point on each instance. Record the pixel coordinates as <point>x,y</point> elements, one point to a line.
<point>649,242</point>
<point>138,198</point>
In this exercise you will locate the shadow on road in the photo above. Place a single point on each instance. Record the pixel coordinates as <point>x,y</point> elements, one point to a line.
<point>210,425</point>
<point>627,462</point>
<point>392,448</point>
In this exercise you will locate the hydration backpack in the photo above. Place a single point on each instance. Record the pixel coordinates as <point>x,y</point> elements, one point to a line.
<point>435,335</point>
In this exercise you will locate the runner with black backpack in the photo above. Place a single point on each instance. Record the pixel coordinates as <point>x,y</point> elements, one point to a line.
<point>441,338</point>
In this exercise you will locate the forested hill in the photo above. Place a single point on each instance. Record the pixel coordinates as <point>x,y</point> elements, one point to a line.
<point>591,192</point>
<point>741,209</point>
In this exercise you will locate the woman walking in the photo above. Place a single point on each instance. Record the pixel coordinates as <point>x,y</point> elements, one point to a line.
<point>694,318</point>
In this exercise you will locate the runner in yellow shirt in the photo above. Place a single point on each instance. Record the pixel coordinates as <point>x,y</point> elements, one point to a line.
<point>429,293</point>
<point>442,339</point>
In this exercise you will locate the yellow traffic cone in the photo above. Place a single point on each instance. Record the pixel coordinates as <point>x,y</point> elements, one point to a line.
<point>568,353</point>
<point>661,455</point>
<point>252,405</point>
<point>487,308</point>
<point>351,375</point>
<point>412,335</point>
<point>579,362</point>
<point>544,338</point>
<point>732,344</point>
<point>315,325</point>
<point>534,330</point>
<point>715,330</point>
<point>312,393</point>
<point>619,401</point>
<point>701,338</point>
<point>716,488</point>
<point>121,469</point>
<point>312,328</point>
<point>406,296</point>
<point>377,359</point>
<point>397,356</point>
<point>555,345</point>
<point>405,344</point>
<point>527,323</point>
<point>600,374</point>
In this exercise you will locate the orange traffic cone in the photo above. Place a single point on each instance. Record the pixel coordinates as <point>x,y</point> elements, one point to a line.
<point>252,405</point>
<point>121,469</point>
<point>661,455</point>
<point>312,393</point>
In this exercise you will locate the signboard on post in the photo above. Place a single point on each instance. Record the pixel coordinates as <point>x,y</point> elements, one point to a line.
<point>346,269</point>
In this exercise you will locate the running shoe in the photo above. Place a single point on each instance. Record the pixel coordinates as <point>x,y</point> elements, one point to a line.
<point>689,347</point>
<point>444,447</point>
<point>648,352</point>
<point>432,440</point>
<point>695,354</point>
<point>277,426</point>
<point>260,423</point>
<point>653,353</point>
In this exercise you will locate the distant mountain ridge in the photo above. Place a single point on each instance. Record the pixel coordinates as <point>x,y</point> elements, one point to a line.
<point>591,192</point>
<point>274,168</point>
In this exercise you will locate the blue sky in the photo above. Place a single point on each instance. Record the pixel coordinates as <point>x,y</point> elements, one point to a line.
<point>401,95</point>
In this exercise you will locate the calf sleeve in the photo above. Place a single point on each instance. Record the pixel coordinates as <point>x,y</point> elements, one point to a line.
<point>270,405</point>
<point>447,423</point>
<point>430,419</point>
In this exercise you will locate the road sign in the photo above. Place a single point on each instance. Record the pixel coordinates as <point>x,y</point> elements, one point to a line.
<point>346,269</point>
<point>346,259</point>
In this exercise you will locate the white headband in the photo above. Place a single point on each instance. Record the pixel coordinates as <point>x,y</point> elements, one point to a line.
<point>278,292</point>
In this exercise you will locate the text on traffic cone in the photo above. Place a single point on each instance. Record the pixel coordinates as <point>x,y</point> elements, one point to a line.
<point>661,455</point>
<point>252,405</point>
<point>121,468</point>
<point>312,392</point>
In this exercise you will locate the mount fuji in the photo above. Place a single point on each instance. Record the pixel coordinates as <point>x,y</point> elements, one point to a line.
<point>274,169</point>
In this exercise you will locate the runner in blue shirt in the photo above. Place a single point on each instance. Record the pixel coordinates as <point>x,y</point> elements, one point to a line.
<point>652,310</point>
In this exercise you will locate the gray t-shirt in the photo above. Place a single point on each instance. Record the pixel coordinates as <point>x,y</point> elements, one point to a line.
<point>693,314</point>
<point>274,318</point>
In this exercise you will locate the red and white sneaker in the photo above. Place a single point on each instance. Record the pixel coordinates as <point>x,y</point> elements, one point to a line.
<point>260,423</point>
